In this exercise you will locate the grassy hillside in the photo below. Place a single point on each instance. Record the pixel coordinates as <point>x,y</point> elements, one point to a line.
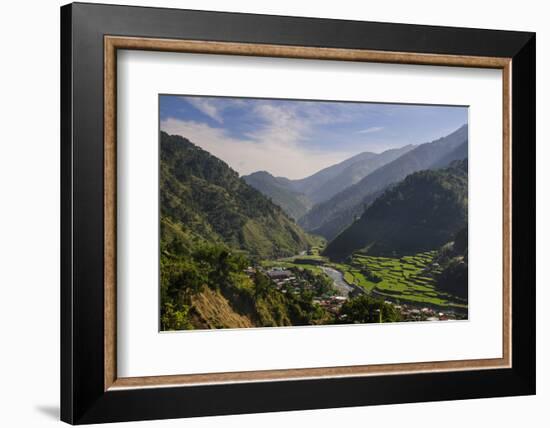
<point>421,213</point>
<point>339,211</point>
<point>205,197</point>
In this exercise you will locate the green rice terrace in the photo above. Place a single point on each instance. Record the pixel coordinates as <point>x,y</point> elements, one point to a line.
<point>407,279</point>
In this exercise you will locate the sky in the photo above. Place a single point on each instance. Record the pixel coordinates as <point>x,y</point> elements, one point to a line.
<point>293,138</point>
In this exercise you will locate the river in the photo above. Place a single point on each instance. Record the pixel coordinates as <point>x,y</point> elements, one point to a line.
<point>338,281</point>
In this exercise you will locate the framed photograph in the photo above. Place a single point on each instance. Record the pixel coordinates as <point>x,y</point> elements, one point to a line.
<point>266,213</point>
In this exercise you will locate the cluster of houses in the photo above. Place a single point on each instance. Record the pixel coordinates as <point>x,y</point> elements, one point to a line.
<point>281,276</point>
<point>284,279</point>
<point>287,281</point>
<point>413,313</point>
<point>331,303</point>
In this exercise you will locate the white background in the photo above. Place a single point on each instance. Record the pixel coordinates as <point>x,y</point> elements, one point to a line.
<point>29,226</point>
<point>142,351</point>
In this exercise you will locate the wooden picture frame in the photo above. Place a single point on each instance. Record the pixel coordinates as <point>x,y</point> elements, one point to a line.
<point>91,390</point>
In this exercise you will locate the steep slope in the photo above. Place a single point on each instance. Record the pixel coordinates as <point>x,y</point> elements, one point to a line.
<point>343,218</point>
<point>452,260</point>
<point>421,213</point>
<point>213,225</point>
<point>204,197</point>
<point>461,152</point>
<point>279,191</point>
<point>314,183</point>
<point>340,210</point>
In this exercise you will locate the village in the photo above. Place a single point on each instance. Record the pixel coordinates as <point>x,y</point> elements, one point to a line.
<point>293,280</point>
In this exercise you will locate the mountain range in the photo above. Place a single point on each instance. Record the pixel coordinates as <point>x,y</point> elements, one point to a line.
<point>421,213</point>
<point>297,197</point>
<point>331,217</point>
<point>329,200</point>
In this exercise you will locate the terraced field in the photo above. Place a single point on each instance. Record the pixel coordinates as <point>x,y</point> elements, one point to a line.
<point>407,279</point>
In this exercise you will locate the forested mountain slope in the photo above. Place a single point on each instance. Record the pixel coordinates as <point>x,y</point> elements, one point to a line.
<point>421,213</point>
<point>205,198</point>
<point>213,225</point>
<point>295,204</point>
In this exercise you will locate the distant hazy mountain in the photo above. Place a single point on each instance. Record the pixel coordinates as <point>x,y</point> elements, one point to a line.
<point>296,197</point>
<point>352,171</point>
<point>421,213</point>
<point>278,190</point>
<point>332,216</point>
<point>312,185</point>
<point>461,152</point>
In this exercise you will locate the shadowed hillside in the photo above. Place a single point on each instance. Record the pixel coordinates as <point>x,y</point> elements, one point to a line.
<point>339,211</point>
<point>421,213</point>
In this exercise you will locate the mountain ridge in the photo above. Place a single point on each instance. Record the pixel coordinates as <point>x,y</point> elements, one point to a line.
<point>349,203</point>
<point>421,213</point>
<point>204,198</point>
<point>297,197</point>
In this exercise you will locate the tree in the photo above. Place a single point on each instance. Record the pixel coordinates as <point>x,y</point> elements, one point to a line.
<point>174,317</point>
<point>365,309</point>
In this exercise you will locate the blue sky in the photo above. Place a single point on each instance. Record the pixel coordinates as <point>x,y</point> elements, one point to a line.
<point>295,139</point>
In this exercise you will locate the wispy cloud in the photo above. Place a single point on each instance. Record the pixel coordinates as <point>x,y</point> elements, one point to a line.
<point>275,152</point>
<point>371,130</point>
<point>280,124</point>
<point>297,138</point>
<point>208,107</point>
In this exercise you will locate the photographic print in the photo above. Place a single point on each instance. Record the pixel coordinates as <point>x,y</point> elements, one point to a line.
<point>279,212</point>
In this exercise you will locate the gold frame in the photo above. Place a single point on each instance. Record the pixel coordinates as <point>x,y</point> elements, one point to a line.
<point>113,43</point>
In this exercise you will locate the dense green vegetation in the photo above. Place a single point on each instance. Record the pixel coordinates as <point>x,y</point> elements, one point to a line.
<point>408,279</point>
<point>203,196</point>
<point>195,287</point>
<point>453,259</point>
<point>366,309</point>
<point>429,277</point>
<point>421,213</point>
<point>332,216</point>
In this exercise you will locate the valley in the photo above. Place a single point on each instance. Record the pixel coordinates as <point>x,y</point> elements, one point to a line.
<point>239,252</point>
<point>408,283</point>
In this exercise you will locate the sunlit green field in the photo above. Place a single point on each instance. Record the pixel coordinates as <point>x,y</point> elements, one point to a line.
<point>406,279</point>
<point>288,263</point>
